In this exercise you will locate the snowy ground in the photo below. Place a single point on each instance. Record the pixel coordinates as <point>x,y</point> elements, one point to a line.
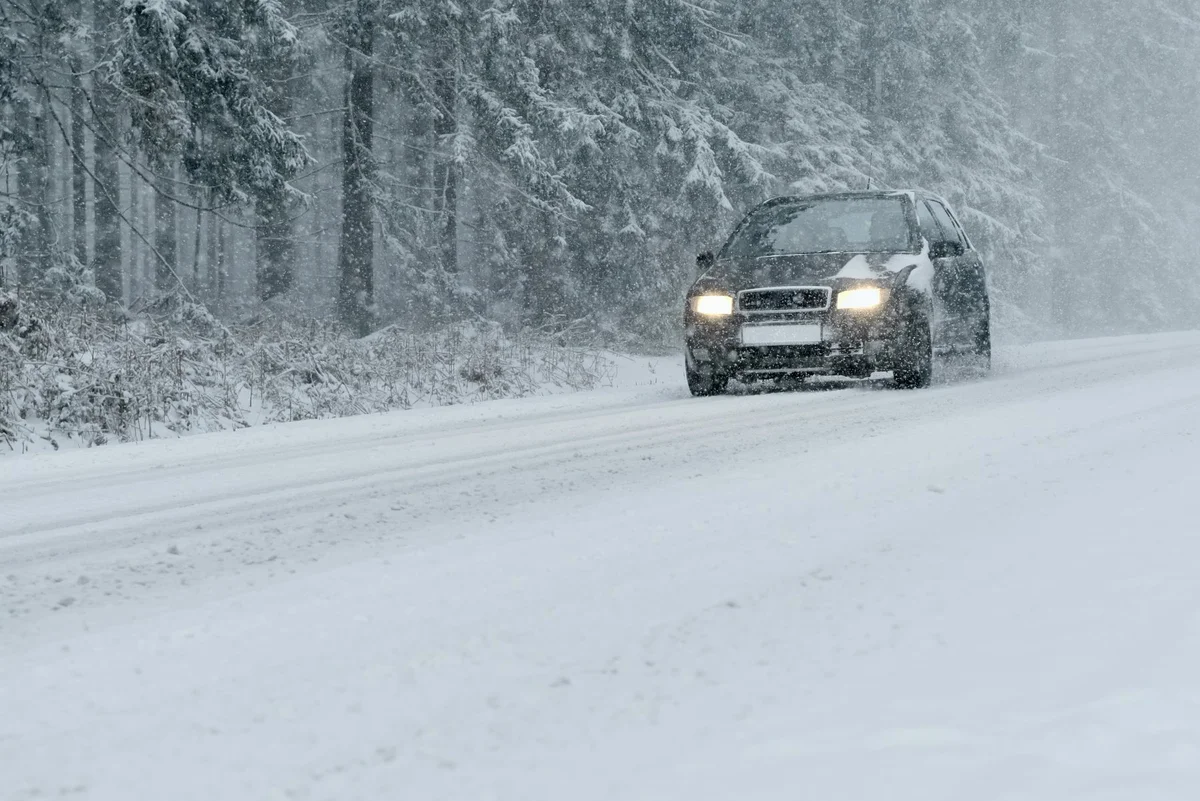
<point>987,590</point>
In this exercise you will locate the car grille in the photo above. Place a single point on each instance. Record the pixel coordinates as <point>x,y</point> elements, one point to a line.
<point>783,299</point>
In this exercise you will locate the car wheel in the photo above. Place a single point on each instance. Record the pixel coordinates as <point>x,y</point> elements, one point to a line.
<point>705,385</point>
<point>983,344</point>
<point>915,369</point>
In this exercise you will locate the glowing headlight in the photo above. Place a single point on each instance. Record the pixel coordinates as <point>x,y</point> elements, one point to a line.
<point>713,305</point>
<point>867,298</point>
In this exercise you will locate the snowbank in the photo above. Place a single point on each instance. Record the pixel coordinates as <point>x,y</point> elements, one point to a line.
<point>70,378</point>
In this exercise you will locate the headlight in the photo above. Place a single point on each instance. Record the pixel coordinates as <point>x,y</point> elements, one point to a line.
<point>713,305</point>
<point>867,298</point>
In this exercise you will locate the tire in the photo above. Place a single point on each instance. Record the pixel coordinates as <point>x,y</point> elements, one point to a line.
<point>915,367</point>
<point>705,385</point>
<point>983,344</point>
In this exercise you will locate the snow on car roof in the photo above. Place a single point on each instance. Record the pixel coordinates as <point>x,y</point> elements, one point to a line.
<point>849,193</point>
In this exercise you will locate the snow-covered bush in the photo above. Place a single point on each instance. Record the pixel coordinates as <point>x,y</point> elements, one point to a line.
<point>69,375</point>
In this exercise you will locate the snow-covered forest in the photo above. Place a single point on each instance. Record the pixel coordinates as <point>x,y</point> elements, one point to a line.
<point>541,164</point>
<point>529,161</point>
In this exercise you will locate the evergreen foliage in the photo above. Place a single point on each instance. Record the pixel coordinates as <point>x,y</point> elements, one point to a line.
<point>184,68</point>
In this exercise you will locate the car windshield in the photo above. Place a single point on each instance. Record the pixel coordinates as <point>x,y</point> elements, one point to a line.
<point>832,225</point>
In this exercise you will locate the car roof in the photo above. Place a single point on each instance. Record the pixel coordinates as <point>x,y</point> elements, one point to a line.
<point>911,194</point>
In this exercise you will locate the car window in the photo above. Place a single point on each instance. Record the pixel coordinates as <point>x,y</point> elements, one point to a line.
<point>949,229</point>
<point>929,229</point>
<point>962,232</point>
<point>822,225</point>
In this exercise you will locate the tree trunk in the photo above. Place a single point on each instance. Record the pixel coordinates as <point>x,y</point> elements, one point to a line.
<point>273,246</point>
<point>107,243</point>
<point>275,262</point>
<point>210,258</point>
<point>445,126</point>
<point>79,204</point>
<point>32,177</point>
<point>134,215</point>
<point>166,239</point>
<point>219,266</point>
<point>196,242</point>
<point>356,259</point>
<point>1062,299</point>
<point>874,33</point>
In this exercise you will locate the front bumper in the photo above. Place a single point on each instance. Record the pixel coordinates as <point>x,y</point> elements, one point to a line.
<point>851,346</point>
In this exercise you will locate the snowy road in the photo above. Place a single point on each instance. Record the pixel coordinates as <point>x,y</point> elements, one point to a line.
<point>987,590</point>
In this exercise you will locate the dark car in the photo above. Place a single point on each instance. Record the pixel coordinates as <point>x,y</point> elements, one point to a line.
<point>843,284</point>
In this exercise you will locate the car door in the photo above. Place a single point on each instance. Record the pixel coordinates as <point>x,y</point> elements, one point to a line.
<point>941,324</point>
<point>953,282</point>
<point>970,281</point>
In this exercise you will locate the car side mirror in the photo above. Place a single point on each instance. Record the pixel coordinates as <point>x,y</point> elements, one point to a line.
<point>705,260</point>
<point>946,250</point>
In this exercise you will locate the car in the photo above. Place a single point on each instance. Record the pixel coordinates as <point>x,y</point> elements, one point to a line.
<point>847,284</point>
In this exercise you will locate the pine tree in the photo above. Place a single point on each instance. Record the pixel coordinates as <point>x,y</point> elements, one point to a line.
<point>356,260</point>
<point>275,203</point>
<point>188,65</point>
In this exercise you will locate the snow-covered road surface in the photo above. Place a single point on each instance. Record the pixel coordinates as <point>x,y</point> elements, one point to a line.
<point>986,590</point>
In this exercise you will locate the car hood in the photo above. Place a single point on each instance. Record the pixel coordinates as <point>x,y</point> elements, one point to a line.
<point>807,269</point>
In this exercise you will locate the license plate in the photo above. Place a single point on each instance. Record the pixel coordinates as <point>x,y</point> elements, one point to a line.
<point>801,334</point>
